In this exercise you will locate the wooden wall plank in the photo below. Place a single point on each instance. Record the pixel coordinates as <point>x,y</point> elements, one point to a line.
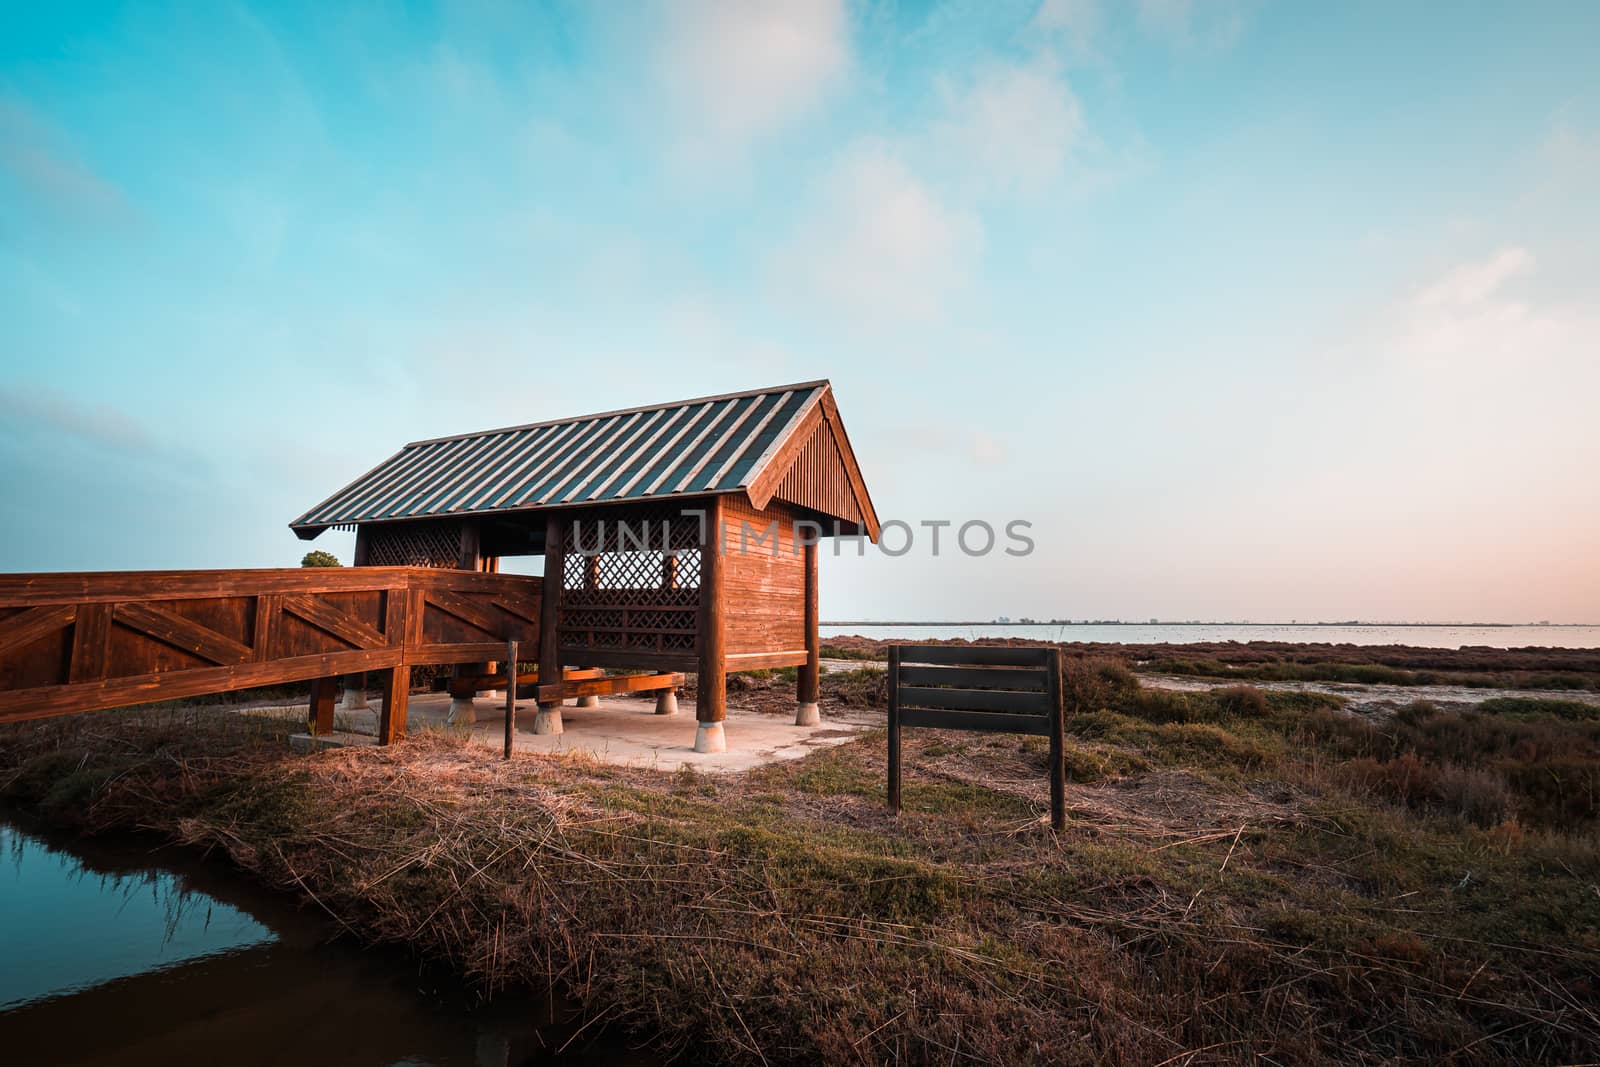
<point>974,699</point>
<point>977,677</point>
<point>91,641</point>
<point>764,586</point>
<point>268,609</point>
<point>975,655</point>
<point>985,721</point>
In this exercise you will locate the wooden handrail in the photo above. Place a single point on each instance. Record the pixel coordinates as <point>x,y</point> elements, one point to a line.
<point>87,641</point>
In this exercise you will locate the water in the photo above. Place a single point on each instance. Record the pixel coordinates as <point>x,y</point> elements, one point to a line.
<point>1180,634</point>
<point>114,953</point>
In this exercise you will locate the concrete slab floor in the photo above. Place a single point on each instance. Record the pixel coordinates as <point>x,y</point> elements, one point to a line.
<point>625,731</point>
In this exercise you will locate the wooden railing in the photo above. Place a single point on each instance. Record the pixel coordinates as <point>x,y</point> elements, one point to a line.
<point>82,642</point>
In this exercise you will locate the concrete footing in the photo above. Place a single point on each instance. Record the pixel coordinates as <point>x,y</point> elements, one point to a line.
<point>588,702</point>
<point>807,715</point>
<point>667,702</point>
<point>708,737</point>
<point>355,699</point>
<point>463,712</point>
<point>548,721</point>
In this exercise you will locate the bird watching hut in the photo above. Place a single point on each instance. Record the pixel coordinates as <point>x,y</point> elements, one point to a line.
<point>679,537</point>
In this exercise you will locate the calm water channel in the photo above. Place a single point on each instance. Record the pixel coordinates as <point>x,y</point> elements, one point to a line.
<point>119,953</point>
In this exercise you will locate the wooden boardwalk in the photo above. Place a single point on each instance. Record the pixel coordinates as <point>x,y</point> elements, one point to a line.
<point>88,641</point>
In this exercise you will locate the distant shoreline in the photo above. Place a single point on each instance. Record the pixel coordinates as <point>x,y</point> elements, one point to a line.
<point>1117,622</point>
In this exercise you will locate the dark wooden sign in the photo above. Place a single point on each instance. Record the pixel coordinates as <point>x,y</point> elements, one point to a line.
<point>986,688</point>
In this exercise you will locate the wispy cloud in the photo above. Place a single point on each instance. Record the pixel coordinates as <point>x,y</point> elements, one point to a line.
<point>1472,283</point>
<point>1180,24</point>
<point>55,412</point>
<point>1080,21</point>
<point>1012,125</point>
<point>1471,317</point>
<point>734,72</point>
<point>39,159</point>
<point>879,245</point>
<point>1203,24</point>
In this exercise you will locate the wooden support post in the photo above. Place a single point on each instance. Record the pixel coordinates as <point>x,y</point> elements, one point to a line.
<point>548,718</point>
<point>319,719</point>
<point>355,685</point>
<point>711,697</point>
<point>810,674</point>
<point>550,600</point>
<point>511,695</point>
<point>1058,745</point>
<point>894,729</point>
<point>463,711</point>
<point>396,694</point>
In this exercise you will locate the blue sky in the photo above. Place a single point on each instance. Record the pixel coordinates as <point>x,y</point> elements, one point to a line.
<point>1254,310</point>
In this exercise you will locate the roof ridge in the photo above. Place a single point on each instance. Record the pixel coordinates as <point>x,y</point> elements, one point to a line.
<point>621,411</point>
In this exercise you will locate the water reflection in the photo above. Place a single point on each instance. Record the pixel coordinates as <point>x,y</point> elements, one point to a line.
<point>113,953</point>
<point>68,926</point>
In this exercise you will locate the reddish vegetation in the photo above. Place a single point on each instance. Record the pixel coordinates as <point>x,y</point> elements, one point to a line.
<point>1407,657</point>
<point>1534,668</point>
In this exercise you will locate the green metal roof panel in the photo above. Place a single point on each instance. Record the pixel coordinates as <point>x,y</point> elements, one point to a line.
<point>716,444</point>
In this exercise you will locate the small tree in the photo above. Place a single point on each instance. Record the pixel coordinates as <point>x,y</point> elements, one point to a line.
<point>318,558</point>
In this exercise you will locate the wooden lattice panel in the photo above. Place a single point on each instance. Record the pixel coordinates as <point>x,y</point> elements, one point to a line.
<point>618,596</point>
<point>414,544</point>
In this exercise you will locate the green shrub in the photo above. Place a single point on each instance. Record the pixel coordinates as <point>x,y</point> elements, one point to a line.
<point>1533,706</point>
<point>318,558</point>
<point>1093,683</point>
<point>1478,796</point>
<point>1241,701</point>
<point>864,687</point>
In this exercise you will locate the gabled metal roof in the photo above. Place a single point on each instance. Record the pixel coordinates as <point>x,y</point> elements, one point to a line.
<point>713,444</point>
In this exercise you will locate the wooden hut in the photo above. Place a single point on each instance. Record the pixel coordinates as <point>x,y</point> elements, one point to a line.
<point>676,537</point>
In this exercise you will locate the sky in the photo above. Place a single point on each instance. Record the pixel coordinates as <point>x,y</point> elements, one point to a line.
<point>1252,310</point>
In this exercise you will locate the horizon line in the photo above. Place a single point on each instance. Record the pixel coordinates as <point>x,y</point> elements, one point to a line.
<point>1170,622</point>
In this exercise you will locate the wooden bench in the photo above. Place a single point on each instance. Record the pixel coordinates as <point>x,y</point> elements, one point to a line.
<point>608,686</point>
<point>471,684</point>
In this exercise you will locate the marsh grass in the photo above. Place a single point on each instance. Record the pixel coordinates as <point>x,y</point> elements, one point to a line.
<point>1241,881</point>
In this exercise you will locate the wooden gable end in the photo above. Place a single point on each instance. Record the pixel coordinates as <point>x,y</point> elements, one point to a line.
<point>816,469</point>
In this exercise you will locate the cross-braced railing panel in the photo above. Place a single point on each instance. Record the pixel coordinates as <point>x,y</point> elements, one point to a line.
<point>80,642</point>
